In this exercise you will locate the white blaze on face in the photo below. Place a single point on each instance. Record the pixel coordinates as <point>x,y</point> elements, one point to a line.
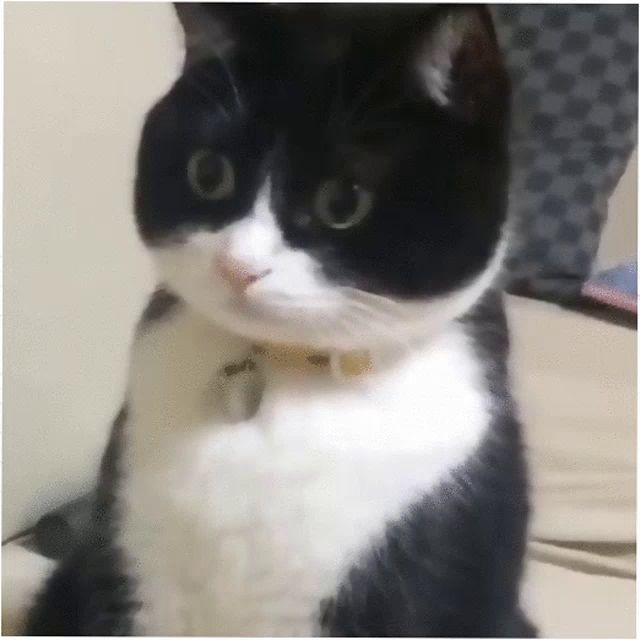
<point>288,297</point>
<point>255,240</point>
<point>292,300</point>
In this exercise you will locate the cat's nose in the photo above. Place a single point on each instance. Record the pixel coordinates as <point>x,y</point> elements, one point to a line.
<point>238,274</point>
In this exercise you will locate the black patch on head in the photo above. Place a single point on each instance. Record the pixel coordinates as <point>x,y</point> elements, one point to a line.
<point>309,94</point>
<point>452,565</point>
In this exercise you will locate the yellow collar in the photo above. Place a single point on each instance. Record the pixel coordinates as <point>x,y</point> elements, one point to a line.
<point>344,364</point>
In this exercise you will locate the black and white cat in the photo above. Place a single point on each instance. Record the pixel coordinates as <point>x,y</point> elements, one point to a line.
<point>318,436</point>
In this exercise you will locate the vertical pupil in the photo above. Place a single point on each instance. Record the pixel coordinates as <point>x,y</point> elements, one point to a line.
<point>344,201</point>
<point>209,172</point>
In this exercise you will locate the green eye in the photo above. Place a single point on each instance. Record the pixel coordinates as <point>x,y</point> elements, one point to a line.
<point>341,205</point>
<point>210,175</point>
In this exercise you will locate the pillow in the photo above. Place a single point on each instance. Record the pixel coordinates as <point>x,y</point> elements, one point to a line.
<point>616,287</point>
<point>575,91</point>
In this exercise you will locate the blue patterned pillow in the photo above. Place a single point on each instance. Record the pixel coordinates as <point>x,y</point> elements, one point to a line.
<point>574,70</point>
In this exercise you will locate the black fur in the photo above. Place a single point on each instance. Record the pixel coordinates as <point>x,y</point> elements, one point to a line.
<point>161,303</point>
<point>314,94</point>
<point>328,92</point>
<point>90,592</point>
<point>452,565</point>
<point>58,532</point>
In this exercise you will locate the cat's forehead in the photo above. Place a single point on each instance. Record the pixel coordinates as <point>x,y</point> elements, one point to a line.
<point>310,141</point>
<point>342,104</point>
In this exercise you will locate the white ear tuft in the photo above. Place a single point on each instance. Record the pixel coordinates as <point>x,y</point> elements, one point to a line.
<point>460,66</point>
<point>436,55</point>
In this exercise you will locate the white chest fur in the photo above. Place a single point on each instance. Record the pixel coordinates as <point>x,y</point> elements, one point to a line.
<point>243,526</point>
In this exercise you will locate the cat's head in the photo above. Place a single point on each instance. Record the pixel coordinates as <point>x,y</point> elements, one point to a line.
<point>329,175</point>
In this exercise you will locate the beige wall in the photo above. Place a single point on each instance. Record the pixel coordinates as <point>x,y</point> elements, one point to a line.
<point>620,238</point>
<point>78,79</point>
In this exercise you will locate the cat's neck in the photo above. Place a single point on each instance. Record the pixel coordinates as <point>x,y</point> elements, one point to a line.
<point>339,363</point>
<point>196,346</point>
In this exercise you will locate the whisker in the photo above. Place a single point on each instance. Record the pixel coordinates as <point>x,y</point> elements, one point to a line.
<point>372,298</point>
<point>380,329</point>
<point>232,83</point>
<point>299,301</point>
<point>384,316</point>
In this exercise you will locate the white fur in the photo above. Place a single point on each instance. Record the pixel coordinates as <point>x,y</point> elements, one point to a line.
<point>239,520</point>
<point>242,527</point>
<point>435,60</point>
<point>295,303</point>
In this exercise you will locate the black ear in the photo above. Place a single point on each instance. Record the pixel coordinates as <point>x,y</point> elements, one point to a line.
<point>214,29</point>
<point>460,65</point>
<point>207,32</point>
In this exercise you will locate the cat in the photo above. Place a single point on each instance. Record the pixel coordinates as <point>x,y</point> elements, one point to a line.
<point>318,436</point>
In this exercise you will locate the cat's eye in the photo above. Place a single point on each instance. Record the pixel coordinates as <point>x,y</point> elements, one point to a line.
<point>341,204</point>
<point>210,175</point>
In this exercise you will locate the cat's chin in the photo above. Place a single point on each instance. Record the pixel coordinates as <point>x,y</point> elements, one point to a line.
<point>262,325</point>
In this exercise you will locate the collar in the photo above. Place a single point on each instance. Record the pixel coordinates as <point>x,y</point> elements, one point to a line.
<point>342,364</point>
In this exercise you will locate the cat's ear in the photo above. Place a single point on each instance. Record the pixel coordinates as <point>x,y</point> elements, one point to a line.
<point>206,33</point>
<point>460,65</point>
<point>213,29</point>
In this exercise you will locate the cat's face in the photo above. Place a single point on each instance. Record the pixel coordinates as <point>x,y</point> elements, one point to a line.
<point>312,178</point>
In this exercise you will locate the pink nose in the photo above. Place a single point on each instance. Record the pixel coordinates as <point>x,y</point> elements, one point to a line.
<point>237,274</point>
